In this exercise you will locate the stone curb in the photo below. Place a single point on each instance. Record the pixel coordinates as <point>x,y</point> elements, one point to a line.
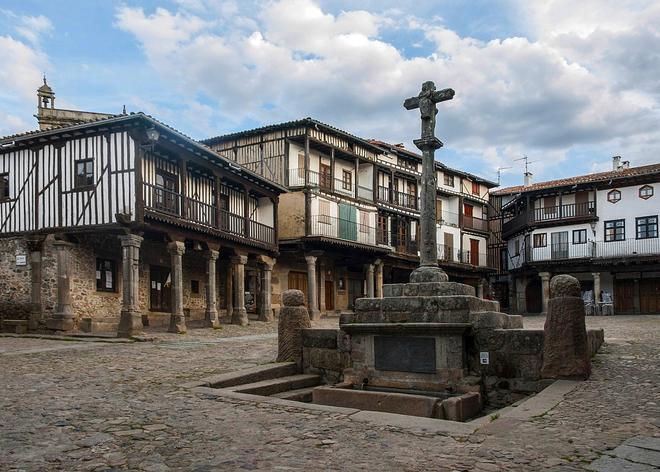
<point>55,337</point>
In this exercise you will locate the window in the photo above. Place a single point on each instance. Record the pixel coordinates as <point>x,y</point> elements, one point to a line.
<point>194,286</point>
<point>647,227</point>
<point>4,186</point>
<point>475,188</point>
<point>615,230</point>
<point>645,192</point>
<point>438,210</point>
<point>347,180</point>
<point>613,196</point>
<point>364,222</point>
<point>449,180</point>
<point>516,247</point>
<point>382,229</point>
<point>579,236</point>
<point>165,193</point>
<point>106,275</point>
<point>324,212</point>
<point>84,173</point>
<point>540,240</point>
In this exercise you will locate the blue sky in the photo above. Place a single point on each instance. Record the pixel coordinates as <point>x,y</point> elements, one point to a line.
<point>568,84</point>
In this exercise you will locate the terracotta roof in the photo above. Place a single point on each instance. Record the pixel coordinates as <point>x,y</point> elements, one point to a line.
<point>582,179</point>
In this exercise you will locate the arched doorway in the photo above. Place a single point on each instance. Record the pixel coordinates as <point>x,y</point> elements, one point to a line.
<point>534,296</point>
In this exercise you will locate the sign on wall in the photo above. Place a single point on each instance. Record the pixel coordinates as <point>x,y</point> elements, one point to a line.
<point>21,259</point>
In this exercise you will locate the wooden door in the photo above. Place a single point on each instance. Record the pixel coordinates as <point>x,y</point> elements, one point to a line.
<point>355,291</point>
<point>298,281</point>
<point>403,234</point>
<point>649,296</point>
<point>325,177</point>
<point>160,292</point>
<point>624,296</point>
<point>474,252</point>
<point>581,204</point>
<point>449,247</point>
<point>559,245</point>
<point>468,210</point>
<point>534,296</point>
<point>382,229</point>
<point>329,295</point>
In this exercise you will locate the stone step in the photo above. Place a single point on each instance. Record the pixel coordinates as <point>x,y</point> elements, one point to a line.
<point>495,320</point>
<point>427,289</point>
<point>248,376</point>
<point>298,395</point>
<point>279,385</point>
<point>15,326</point>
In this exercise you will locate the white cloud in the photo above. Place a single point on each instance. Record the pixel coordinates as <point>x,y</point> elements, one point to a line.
<point>585,79</point>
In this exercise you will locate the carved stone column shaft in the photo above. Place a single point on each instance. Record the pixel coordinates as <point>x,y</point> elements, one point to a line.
<point>63,319</point>
<point>178,318</point>
<point>130,319</point>
<point>211,315</point>
<point>239,315</point>
<point>312,293</point>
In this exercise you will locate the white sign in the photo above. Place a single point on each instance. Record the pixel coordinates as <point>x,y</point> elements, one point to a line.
<point>21,259</point>
<point>484,358</point>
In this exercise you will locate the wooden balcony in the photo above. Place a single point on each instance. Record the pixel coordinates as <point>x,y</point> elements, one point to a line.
<point>549,216</point>
<point>175,205</point>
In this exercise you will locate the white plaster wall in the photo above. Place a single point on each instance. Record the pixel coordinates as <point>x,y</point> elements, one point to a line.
<point>266,212</point>
<point>574,250</point>
<point>629,208</point>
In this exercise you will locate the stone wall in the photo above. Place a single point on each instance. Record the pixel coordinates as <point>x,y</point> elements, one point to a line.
<point>14,280</point>
<point>325,353</point>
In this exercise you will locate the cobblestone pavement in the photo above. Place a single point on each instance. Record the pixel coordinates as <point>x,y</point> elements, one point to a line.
<point>106,406</point>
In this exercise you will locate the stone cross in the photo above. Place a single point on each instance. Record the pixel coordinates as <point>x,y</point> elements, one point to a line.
<point>426,102</point>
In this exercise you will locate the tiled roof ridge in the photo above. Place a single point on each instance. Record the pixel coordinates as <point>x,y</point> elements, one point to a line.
<point>62,127</point>
<point>585,178</point>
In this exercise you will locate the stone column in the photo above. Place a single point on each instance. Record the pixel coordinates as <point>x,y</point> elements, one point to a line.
<point>293,319</point>
<point>239,315</point>
<point>379,278</point>
<point>229,290</point>
<point>62,319</point>
<point>211,315</point>
<point>178,318</point>
<point>480,289</point>
<point>369,269</point>
<point>312,296</point>
<point>35,245</point>
<point>322,307</point>
<point>130,319</point>
<point>597,299</point>
<point>266,306</point>
<point>545,289</point>
<point>521,300</point>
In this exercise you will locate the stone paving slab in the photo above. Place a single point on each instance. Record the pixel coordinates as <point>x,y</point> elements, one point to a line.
<point>120,407</point>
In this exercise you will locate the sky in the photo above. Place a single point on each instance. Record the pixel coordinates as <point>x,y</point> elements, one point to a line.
<point>568,84</point>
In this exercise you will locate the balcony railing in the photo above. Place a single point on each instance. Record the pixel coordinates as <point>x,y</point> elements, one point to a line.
<point>169,202</point>
<point>383,193</point>
<point>449,218</point>
<point>477,224</point>
<point>405,200</point>
<point>365,192</point>
<point>340,228</point>
<point>452,254</point>
<point>561,212</point>
<point>595,250</point>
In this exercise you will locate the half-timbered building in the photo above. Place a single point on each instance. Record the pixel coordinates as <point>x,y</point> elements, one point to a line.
<point>124,222</point>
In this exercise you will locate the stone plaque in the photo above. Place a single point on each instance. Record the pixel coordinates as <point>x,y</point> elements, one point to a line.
<point>405,354</point>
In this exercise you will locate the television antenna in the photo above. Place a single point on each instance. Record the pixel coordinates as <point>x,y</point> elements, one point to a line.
<point>499,173</point>
<point>527,163</point>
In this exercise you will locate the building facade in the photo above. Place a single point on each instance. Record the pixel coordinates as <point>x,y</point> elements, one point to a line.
<point>601,228</point>
<point>124,222</point>
<point>350,220</point>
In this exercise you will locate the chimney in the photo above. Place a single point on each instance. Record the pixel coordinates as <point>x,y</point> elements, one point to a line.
<point>528,179</point>
<point>625,165</point>
<point>616,162</point>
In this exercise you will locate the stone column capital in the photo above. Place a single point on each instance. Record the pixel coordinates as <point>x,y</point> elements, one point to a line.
<point>239,260</point>
<point>267,267</point>
<point>176,248</point>
<point>211,254</point>
<point>378,262</point>
<point>595,275</point>
<point>370,268</point>
<point>311,260</point>
<point>61,245</point>
<point>130,240</point>
<point>545,276</point>
<point>35,243</point>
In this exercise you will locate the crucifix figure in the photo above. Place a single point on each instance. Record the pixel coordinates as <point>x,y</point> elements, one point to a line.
<point>426,101</point>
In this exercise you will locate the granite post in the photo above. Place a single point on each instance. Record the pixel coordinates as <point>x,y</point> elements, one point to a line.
<point>545,288</point>
<point>35,246</point>
<point>266,305</point>
<point>312,297</point>
<point>239,315</point>
<point>293,319</point>
<point>379,278</point>
<point>369,269</point>
<point>63,319</point>
<point>565,348</point>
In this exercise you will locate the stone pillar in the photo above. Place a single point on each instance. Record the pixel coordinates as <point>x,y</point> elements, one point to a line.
<point>211,315</point>
<point>597,289</point>
<point>545,289</point>
<point>293,319</point>
<point>239,315</point>
<point>62,319</point>
<point>480,289</point>
<point>178,318</point>
<point>322,307</point>
<point>521,300</point>
<point>379,278</point>
<point>312,292</point>
<point>369,269</point>
<point>35,245</point>
<point>565,346</point>
<point>266,306</point>
<point>130,319</point>
<point>229,290</point>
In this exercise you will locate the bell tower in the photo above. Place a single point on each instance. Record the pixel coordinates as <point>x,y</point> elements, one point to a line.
<point>45,96</point>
